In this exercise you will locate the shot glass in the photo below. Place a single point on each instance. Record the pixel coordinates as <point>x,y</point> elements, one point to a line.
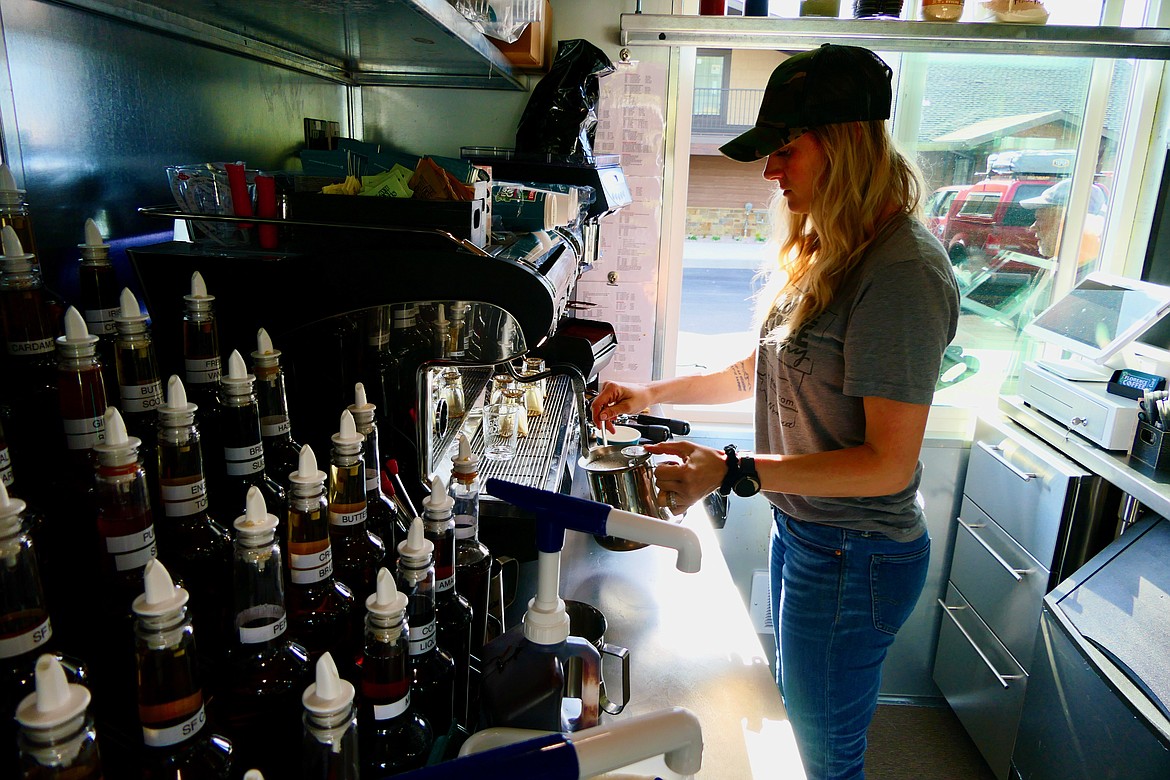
<point>500,431</point>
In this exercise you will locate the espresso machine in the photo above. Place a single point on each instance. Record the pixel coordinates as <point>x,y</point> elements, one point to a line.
<point>396,304</point>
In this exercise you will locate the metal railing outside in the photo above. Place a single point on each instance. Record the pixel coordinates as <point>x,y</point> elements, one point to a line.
<point>725,110</point>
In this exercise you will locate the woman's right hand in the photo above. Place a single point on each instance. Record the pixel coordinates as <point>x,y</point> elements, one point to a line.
<point>616,399</point>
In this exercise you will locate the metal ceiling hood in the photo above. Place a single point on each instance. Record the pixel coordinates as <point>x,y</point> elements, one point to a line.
<point>423,43</point>
<point>743,32</point>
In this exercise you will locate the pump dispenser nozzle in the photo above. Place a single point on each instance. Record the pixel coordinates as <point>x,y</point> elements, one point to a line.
<point>130,311</point>
<point>161,594</point>
<point>347,435</point>
<point>237,372</point>
<point>253,774</point>
<point>266,355</point>
<point>416,546</point>
<point>118,447</point>
<point>95,246</point>
<point>329,695</point>
<point>307,473</point>
<point>77,339</point>
<point>361,402</point>
<point>198,287</point>
<point>8,187</point>
<point>11,509</point>
<point>438,504</point>
<point>387,601</point>
<point>466,461</point>
<point>264,342</point>
<point>255,521</point>
<point>56,700</point>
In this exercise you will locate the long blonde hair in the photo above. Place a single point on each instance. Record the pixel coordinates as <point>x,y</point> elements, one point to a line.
<point>864,174</point>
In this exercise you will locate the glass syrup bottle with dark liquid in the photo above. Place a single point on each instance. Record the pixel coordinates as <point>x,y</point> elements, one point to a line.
<point>177,745</point>
<point>267,670</point>
<point>99,295</point>
<point>357,552</point>
<point>202,364</point>
<point>452,612</point>
<point>321,610</point>
<point>281,451</point>
<point>381,513</point>
<point>432,669</point>
<point>28,391</point>
<point>81,390</point>
<point>191,543</point>
<point>57,739</point>
<point>330,744</point>
<point>244,466</point>
<point>138,381</point>
<point>473,560</point>
<point>124,519</point>
<point>26,633</point>
<point>395,738</point>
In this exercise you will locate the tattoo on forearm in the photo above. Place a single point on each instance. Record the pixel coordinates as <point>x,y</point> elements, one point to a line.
<point>743,380</point>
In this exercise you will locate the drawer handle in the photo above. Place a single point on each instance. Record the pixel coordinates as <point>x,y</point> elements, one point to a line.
<point>1017,574</point>
<point>996,452</point>
<point>1003,678</point>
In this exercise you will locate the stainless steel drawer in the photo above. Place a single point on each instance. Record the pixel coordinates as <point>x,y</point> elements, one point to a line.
<point>1021,483</point>
<point>981,681</point>
<point>1002,581</point>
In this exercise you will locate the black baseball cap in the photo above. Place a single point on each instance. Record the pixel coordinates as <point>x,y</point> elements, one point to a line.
<point>824,86</point>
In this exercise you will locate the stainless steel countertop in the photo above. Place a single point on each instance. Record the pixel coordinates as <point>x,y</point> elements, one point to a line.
<point>691,645</point>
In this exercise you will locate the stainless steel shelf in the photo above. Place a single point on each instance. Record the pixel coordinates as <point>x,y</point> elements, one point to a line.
<point>738,32</point>
<point>424,43</point>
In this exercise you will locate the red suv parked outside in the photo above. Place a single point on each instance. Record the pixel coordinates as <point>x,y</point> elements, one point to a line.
<point>987,218</point>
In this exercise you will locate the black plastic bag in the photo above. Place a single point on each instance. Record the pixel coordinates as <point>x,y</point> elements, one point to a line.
<point>561,115</point>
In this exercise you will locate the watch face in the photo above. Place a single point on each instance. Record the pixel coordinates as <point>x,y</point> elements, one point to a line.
<point>747,486</point>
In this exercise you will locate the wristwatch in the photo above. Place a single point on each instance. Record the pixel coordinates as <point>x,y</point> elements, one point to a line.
<point>741,477</point>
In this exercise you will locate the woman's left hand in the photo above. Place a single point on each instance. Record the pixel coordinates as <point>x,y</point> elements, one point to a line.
<point>681,484</point>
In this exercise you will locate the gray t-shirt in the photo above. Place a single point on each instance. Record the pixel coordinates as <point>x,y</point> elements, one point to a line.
<point>883,335</point>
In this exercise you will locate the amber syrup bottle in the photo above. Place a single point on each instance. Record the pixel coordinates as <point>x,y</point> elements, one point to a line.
<point>99,295</point>
<point>176,743</point>
<point>202,364</point>
<point>357,552</point>
<point>382,514</point>
<point>26,633</point>
<point>28,391</point>
<point>330,745</point>
<point>244,466</point>
<point>473,560</point>
<point>395,738</point>
<point>81,392</point>
<point>320,609</point>
<point>457,332</point>
<point>281,451</point>
<point>377,361</point>
<point>57,738</point>
<point>191,543</point>
<point>267,670</point>
<point>432,669</point>
<point>137,379</point>
<point>452,612</point>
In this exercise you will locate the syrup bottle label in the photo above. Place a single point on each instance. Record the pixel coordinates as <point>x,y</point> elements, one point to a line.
<point>203,371</point>
<point>465,526</point>
<point>172,735</point>
<point>141,398</point>
<point>184,500</point>
<point>36,347</point>
<point>348,518</point>
<point>309,568</point>
<point>100,322</point>
<point>422,638</point>
<point>242,461</point>
<point>393,709</point>
<point>446,583</point>
<point>12,646</point>
<point>132,551</point>
<point>83,434</point>
<point>261,623</point>
<point>5,467</point>
<point>274,426</point>
<point>372,479</point>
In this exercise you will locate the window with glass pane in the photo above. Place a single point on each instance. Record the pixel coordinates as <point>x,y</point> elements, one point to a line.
<point>997,139</point>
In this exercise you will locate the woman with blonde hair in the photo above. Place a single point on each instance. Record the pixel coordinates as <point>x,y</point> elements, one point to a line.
<point>861,307</point>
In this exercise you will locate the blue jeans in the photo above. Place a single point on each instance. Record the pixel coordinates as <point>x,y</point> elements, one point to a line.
<point>838,598</point>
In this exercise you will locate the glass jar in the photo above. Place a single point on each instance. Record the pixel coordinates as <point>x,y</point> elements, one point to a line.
<point>452,393</point>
